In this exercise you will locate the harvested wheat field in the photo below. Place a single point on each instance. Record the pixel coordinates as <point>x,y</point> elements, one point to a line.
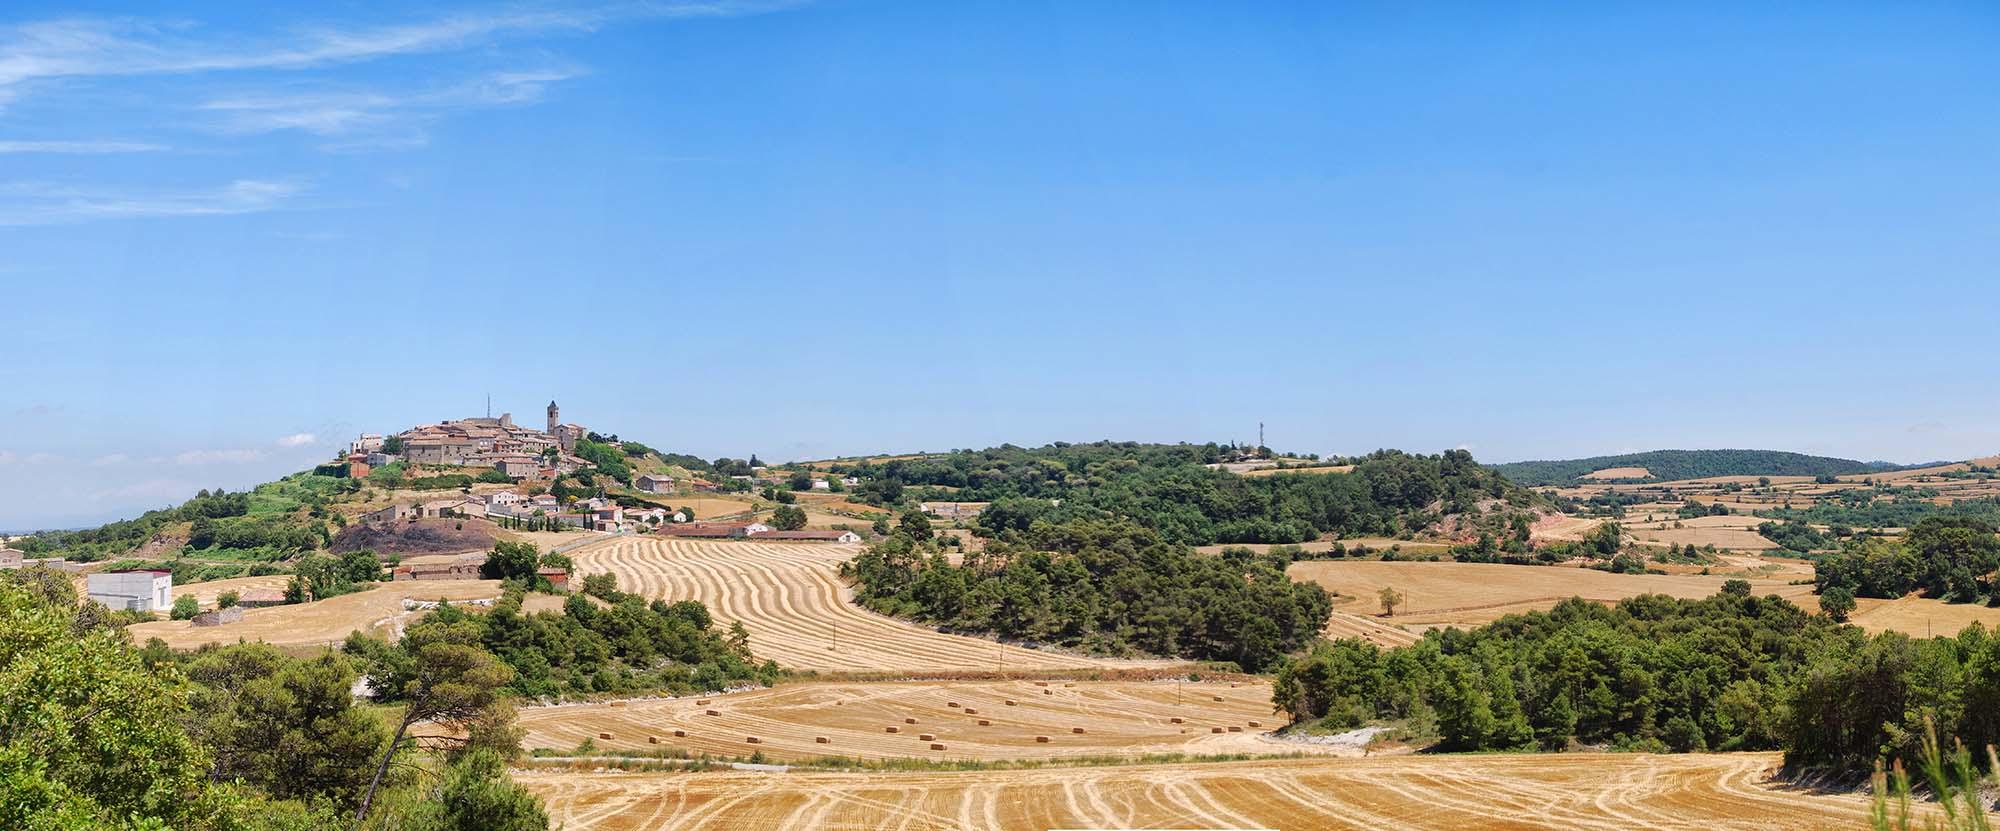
<point>377,610</point>
<point>1921,616</point>
<point>1601,792</point>
<point>1474,593</point>
<point>796,722</point>
<point>798,611</point>
<point>1735,533</point>
<point>1618,473</point>
<point>205,593</point>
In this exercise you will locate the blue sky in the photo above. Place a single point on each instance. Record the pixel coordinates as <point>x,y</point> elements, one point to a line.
<point>233,237</point>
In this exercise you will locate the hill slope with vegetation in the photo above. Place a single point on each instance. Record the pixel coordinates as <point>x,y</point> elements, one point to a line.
<point>1171,489</point>
<point>1103,587</point>
<point>1674,465</point>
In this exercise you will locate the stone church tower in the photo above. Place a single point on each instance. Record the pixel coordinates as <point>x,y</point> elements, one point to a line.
<point>554,419</point>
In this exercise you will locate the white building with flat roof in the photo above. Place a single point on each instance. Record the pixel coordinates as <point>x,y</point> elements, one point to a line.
<point>145,590</point>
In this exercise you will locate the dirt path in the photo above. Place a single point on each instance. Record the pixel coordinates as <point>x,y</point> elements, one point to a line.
<point>1595,792</point>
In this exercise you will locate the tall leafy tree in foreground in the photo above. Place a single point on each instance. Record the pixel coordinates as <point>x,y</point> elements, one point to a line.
<point>442,675</point>
<point>90,737</point>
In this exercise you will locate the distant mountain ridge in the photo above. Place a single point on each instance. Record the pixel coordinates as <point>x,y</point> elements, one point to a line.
<point>1670,465</point>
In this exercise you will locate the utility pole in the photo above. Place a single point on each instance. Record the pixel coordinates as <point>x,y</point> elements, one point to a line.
<point>1260,427</point>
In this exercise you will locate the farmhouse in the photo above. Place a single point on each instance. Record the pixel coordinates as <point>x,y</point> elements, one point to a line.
<point>714,530</point>
<point>519,467</point>
<point>558,577</point>
<point>462,506</point>
<point>138,590</point>
<point>11,558</point>
<point>389,514</point>
<point>808,535</point>
<point>260,598</point>
<point>652,483</point>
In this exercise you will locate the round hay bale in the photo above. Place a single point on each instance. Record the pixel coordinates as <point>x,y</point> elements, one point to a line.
<point>1041,739</point>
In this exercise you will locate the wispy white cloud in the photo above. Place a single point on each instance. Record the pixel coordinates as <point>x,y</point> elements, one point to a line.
<point>218,457</point>
<point>79,147</point>
<point>98,47</point>
<point>375,120</point>
<point>32,203</point>
<point>8,457</point>
<point>298,440</point>
<point>43,458</point>
<point>109,460</point>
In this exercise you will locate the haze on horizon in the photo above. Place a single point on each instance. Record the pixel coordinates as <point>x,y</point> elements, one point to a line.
<point>234,238</point>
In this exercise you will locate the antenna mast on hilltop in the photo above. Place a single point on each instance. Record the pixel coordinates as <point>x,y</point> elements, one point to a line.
<point>1260,431</point>
<point>489,405</point>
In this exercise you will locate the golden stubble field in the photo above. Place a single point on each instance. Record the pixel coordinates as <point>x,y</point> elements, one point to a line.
<point>1470,594</point>
<point>798,610</point>
<point>1595,792</point>
<point>378,610</point>
<point>855,720</point>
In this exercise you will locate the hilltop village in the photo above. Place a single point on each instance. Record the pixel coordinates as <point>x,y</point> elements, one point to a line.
<point>534,463</point>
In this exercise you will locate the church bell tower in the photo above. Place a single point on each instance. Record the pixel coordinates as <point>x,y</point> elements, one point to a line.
<point>554,417</point>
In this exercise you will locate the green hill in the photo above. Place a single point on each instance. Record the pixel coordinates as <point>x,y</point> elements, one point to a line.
<point>1670,465</point>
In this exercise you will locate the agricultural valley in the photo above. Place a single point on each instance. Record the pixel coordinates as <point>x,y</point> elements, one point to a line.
<point>1089,635</point>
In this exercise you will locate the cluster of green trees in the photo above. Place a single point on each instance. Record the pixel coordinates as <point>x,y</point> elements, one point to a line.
<point>320,576</point>
<point>607,459</point>
<point>1653,672</point>
<point>276,534</point>
<point>1728,672</point>
<point>602,641</point>
<point>1795,536</point>
<point>1886,508</point>
<point>101,735</point>
<point>1671,465</point>
<point>1103,586</point>
<point>122,536</point>
<point>1167,488</point>
<point>1691,509</point>
<point>1951,557</point>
